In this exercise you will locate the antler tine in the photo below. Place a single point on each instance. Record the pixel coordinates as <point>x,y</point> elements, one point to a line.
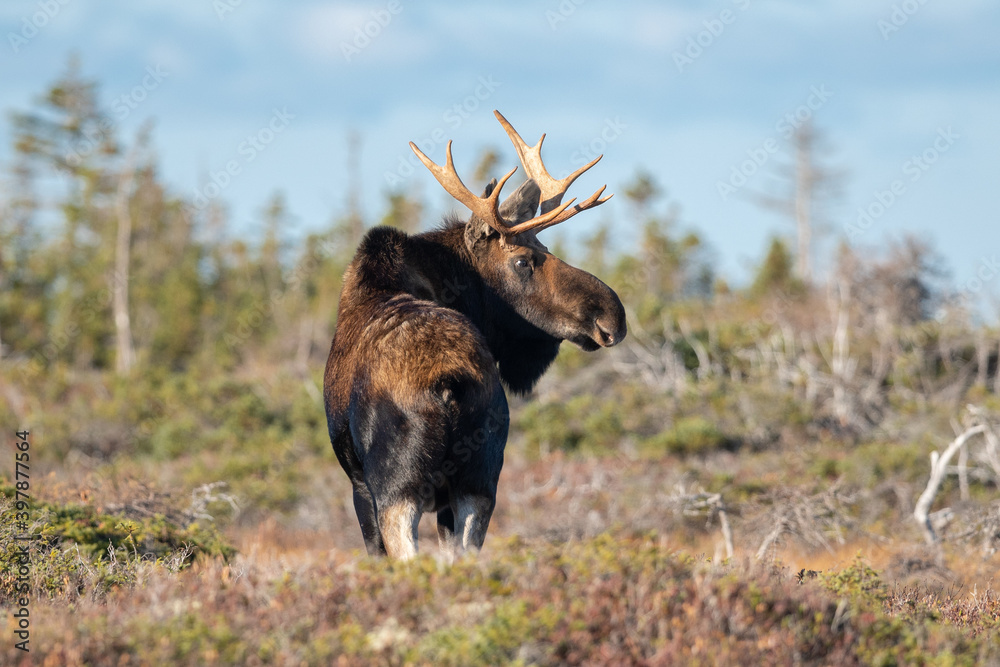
<point>486,209</point>
<point>542,221</point>
<point>562,213</point>
<point>531,158</point>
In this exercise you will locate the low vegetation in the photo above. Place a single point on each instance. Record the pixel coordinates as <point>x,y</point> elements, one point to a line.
<point>621,599</point>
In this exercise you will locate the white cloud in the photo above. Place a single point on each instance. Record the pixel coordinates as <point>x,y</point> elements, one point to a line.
<point>661,29</point>
<point>323,32</point>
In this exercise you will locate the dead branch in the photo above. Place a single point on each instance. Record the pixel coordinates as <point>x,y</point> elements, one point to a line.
<point>939,468</point>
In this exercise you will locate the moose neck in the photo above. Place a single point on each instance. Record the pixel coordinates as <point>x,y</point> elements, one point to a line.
<point>444,272</point>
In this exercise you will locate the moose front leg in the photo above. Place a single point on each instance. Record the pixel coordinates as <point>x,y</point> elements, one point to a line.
<point>472,520</point>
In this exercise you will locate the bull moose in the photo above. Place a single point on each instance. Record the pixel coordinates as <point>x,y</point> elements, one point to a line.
<point>429,328</point>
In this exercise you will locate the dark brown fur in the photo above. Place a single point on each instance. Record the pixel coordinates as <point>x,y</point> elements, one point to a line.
<point>428,327</point>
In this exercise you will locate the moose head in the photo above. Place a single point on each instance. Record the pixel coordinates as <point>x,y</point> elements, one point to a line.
<point>565,302</point>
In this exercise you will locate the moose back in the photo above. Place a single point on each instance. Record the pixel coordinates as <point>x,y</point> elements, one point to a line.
<point>429,329</point>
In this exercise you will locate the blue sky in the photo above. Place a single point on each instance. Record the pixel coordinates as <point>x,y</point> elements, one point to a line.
<point>889,80</point>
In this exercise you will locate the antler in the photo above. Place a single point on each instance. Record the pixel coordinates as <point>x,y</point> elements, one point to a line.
<point>487,209</point>
<point>552,189</point>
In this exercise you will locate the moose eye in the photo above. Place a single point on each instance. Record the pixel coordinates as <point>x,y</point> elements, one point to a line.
<point>522,265</point>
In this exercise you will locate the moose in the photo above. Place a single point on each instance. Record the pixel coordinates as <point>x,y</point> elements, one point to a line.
<point>430,328</point>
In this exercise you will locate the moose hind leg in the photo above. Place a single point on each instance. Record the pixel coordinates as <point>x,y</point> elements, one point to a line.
<point>398,524</point>
<point>446,533</point>
<point>473,519</point>
<point>364,506</point>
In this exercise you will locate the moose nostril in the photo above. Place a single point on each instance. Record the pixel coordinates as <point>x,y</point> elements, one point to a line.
<point>609,330</point>
<point>607,337</point>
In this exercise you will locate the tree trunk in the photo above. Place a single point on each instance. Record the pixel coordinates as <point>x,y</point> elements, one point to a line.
<point>982,360</point>
<point>840,362</point>
<point>996,373</point>
<point>803,198</point>
<point>355,217</point>
<point>125,353</point>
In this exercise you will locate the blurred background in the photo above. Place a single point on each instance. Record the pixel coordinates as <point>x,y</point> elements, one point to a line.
<point>801,234</point>
<point>675,89</point>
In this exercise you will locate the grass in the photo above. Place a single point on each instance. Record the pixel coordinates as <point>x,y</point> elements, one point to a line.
<point>596,552</point>
<point>614,598</point>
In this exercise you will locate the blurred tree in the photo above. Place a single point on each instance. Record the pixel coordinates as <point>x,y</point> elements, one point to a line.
<point>595,259</point>
<point>904,285</point>
<point>166,289</point>
<point>355,217</point>
<point>113,256</point>
<point>276,224</point>
<point>776,272</point>
<point>404,213</point>
<point>642,191</point>
<point>124,349</point>
<point>25,273</point>
<point>486,167</point>
<point>808,187</point>
<point>665,268</point>
<point>68,140</point>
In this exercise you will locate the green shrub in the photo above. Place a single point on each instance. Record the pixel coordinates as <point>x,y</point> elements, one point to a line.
<point>689,435</point>
<point>582,424</point>
<point>78,547</point>
<point>858,581</point>
<point>874,462</point>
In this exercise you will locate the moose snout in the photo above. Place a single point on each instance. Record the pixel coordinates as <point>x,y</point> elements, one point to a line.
<point>608,334</point>
<point>610,328</point>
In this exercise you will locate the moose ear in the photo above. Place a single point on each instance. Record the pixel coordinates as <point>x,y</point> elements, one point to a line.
<point>518,207</point>
<point>476,230</point>
<point>521,204</point>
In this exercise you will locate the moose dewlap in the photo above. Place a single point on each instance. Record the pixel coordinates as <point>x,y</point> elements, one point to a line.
<point>429,329</point>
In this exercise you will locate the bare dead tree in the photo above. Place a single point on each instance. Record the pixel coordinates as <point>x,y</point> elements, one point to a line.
<point>812,519</point>
<point>841,363</point>
<point>809,187</point>
<point>653,357</point>
<point>706,367</point>
<point>996,376</point>
<point>978,423</point>
<point>939,468</point>
<point>982,358</point>
<point>963,466</point>
<point>125,352</point>
<point>805,176</point>
<point>991,453</point>
<point>355,217</point>
<point>713,505</point>
<point>702,503</point>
